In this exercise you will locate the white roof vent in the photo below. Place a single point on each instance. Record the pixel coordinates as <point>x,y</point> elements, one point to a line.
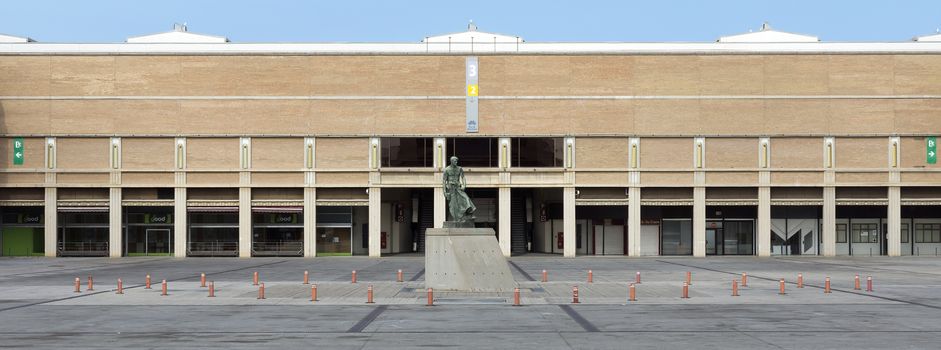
<point>936,37</point>
<point>768,35</point>
<point>9,39</point>
<point>473,36</point>
<point>179,34</point>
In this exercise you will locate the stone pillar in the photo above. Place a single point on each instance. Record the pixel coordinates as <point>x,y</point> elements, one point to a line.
<point>375,221</point>
<point>439,206</point>
<point>894,221</point>
<point>633,222</point>
<point>115,226</point>
<point>245,222</point>
<point>828,247</point>
<point>699,221</point>
<point>503,220</point>
<point>568,221</point>
<point>180,219</point>
<point>51,217</point>
<point>310,222</point>
<point>764,221</point>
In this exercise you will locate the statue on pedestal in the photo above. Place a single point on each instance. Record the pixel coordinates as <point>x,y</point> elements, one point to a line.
<point>459,206</point>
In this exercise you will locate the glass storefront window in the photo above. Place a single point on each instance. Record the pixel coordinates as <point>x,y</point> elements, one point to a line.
<point>148,231</point>
<point>677,237</point>
<point>927,233</point>
<point>840,233</point>
<point>865,233</point>
<point>21,231</point>
<point>277,234</point>
<point>213,234</point>
<point>83,234</point>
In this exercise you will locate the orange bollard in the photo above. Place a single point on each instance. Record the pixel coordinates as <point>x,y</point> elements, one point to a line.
<point>202,280</point>
<point>516,297</point>
<point>212,289</point>
<point>398,276</point>
<point>685,290</point>
<point>255,278</point>
<point>163,288</point>
<point>91,283</point>
<point>637,278</point>
<point>431,297</point>
<point>313,292</point>
<point>120,287</point>
<point>632,293</point>
<point>781,287</point>
<point>369,295</point>
<point>856,283</point>
<point>261,291</point>
<point>826,286</point>
<point>868,283</point>
<point>744,279</point>
<point>78,285</point>
<point>306,277</point>
<point>734,288</point>
<point>545,276</point>
<point>689,278</point>
<point>147,282</point>
<point>800,280</point>
<point>354,276</point>
<point>574,294</point>
<point>590,275</point>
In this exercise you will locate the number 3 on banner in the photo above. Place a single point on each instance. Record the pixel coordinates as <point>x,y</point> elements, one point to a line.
<point>472,90</point>
<point>471,70</point>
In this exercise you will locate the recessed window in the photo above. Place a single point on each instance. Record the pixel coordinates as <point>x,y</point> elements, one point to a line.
<point>927,233</point>
<point>537,152</point>
<point>841,233</point>
<point>407,152</point>
<point>865,233</point>
<point>474,151</point>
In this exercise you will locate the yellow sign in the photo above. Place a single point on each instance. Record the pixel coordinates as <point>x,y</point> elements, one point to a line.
<point>472,90</point>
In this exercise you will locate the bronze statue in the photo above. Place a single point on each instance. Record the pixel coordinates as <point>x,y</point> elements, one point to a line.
<point>459,205</point>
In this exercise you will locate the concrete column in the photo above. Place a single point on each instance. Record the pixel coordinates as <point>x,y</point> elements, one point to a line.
<point>310,222</point>
<point>568,221</point>
<point>439,203</point>
<point>245,222</point>
<point>51,217</point>
<point>828,247</point>
<point>115,229</point>
<point>699,221</point>
<point>503,220</point>
<point>764,221</point>
<point>180,219</point>
<point>633,221</point>
<point>375,221</point>
<point>894,223</point>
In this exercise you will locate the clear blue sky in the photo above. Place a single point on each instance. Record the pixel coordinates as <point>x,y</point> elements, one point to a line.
<point>409,21</point>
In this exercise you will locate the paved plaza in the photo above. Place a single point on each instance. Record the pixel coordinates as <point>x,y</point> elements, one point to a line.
<point>39,307</point>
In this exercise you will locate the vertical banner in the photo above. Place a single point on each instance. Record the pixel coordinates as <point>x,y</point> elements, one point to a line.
<point>18,153</point>
<point>471,71</point>
<point>932,149</point>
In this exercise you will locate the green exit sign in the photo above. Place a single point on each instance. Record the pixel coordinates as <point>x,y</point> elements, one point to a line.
<point>932,149</point>
<point>18,153</point>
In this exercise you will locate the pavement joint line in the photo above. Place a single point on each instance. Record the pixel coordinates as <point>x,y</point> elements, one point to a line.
<point>122,264</point>
<point>517,267</point>
<point>851,266</point>
<point>528,331</point>
<point>129,287</point>
<point>370,317</point>
<point>417,275</point>
<point>586,325</point>
<point>812,286</point>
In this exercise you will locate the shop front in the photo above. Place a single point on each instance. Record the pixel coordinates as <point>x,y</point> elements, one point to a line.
<point>148,231</point>
<point>21,231</point>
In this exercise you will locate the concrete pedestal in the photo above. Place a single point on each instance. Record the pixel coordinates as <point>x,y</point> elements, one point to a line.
<point>465,259</point>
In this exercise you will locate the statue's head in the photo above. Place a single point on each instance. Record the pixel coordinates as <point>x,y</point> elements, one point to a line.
<point>453,160</point>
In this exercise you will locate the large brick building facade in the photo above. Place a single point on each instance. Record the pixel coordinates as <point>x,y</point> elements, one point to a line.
<point>188,145</point>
